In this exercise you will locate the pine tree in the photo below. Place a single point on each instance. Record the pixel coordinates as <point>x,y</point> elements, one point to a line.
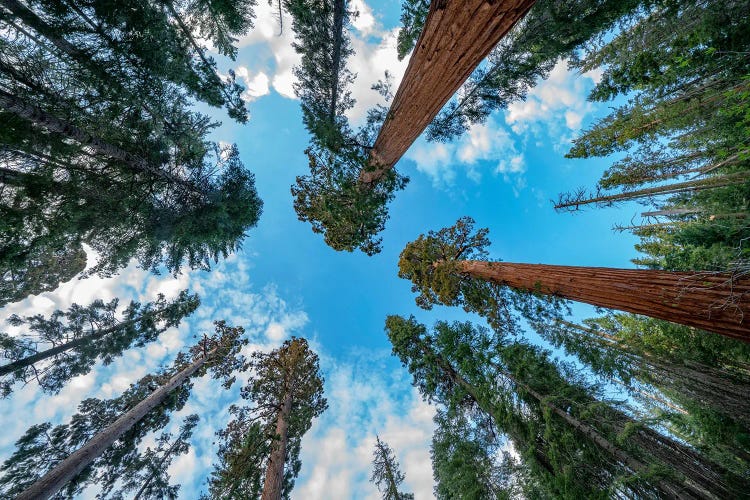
<point>105,433</point>
<point>259,450</point>
<point>68,343</point>
<point>386,473</point>
<point>445,265</point>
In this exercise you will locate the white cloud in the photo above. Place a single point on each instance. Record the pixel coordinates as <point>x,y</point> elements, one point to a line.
<point>556,107</point>
<point>485,142</point>
<point>365,401</point>
<point>256,86</point>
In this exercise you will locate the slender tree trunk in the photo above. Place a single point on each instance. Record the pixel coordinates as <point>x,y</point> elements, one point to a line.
<point>715,302</point>
<point>274,480</point>
<point>339,8</point>
<point>158,468</point>
<point>457,36</point>
<point>41,118</point>
<point>50,483</point>
<point>678,187</point>
<point>53,351</point>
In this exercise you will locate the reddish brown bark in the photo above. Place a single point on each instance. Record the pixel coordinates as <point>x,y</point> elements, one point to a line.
<point>714,302</point>
<point>274,479</point>
<point>456,37</point>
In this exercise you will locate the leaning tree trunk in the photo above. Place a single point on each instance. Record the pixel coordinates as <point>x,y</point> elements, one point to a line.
<point>457,36</point>
<point>274,480</point>
<point>715,302</point>
<point>41,118</point>
<point>66,346</point>
<point>52,481</point>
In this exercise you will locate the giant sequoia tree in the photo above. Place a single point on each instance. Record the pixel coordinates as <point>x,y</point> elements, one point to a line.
<point>100,146</point>
<point>104,434</point>
<point>572,442</point>
<point>445,266</point>
<point>353,179</point>
<point>259,450</point>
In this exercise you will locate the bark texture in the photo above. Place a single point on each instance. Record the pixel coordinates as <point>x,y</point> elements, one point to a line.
<point>456,37</point>
<point>274,480</point>
<point>714,302</point>
<point>50,483</point>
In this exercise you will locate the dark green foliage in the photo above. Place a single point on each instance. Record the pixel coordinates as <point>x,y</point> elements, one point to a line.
<point>99,146</point>
<point>386,473</point>
<point>684,68</point>
<point>43,447</point>
<point>431,263</point>
<point>467,461</point>
<point>292,371</point>
<point>413,17</point>
<point>53,350</point>
<point>572,443</point>
<point>332,198</point>
<point>696,384</point>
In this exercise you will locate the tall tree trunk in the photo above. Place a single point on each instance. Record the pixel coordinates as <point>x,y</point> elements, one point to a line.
<point>50,483</point>
<point>678,187</point>
<point>715,302</point>
<point>457,36</point>
<point>39,356</point>
<point>339,8</point>
<point>274,480</point>
<point>41,118</point>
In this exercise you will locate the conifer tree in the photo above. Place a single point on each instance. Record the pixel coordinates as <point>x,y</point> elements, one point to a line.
<point>446,265</point>
<point>386,473</point>
<point>573,443</point>
<point>259,449</point>
<point>68,343</point>
<point>147,476</point>
<point>100,146</point>
<point>104,434</point>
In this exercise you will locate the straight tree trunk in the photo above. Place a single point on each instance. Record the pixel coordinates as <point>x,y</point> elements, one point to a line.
<point>54,480</point>
<point>53,351</point>
<point>715,302</point>
<point>457,36</point>
<point>274,480</point>
<point>41,118</point>
<point>678,187</point>
<point>339,8</point>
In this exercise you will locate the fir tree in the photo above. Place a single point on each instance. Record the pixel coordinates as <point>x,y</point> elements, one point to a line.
<point>573,443</point>
<point>386,473</point>
<point>68,343</point>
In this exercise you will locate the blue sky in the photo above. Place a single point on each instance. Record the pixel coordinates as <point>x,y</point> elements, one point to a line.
<point>286,281</point>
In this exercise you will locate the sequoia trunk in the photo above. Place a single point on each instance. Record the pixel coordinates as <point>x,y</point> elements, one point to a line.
<point>714,302</point>
<point>50,483</point>
<point>274,480</point>
<point>456,37</point>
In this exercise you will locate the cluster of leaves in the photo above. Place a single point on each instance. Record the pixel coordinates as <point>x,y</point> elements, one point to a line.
<point>432,263</point>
